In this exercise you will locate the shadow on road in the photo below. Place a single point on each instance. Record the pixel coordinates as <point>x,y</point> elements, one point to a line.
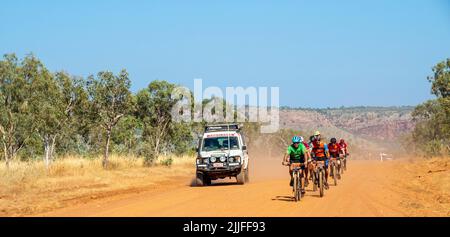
<point>214,183</point>
<point>316,195</point>
<point>224,184</point>
<point>284,198</point>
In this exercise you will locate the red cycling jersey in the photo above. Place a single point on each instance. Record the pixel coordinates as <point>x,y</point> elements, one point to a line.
<point>306,145</point>
<point>334,149</point>
<point>343,146</point>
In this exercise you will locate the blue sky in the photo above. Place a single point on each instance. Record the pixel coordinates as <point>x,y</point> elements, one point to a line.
<point>320,53</point>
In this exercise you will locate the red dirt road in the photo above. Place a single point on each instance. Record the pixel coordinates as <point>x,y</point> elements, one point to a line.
<point>365,190</point>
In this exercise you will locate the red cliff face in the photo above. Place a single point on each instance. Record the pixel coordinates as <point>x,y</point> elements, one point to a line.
<point>370,123</point>
<point>385,131</point>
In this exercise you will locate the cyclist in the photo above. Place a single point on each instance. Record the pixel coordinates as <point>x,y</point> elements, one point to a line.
<point>308,161</point>
<point>295,157</point>
<point>311,165</point>
<point>321,153</point>
<point>310,143</point>
<point>334,149</point>
<point>343,145</point>
<point>304,143</point>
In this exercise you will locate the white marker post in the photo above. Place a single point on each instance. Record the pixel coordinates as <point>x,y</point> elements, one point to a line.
<point>381,156</point>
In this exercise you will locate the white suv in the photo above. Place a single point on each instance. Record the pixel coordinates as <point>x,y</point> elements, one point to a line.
<point>222,153</point>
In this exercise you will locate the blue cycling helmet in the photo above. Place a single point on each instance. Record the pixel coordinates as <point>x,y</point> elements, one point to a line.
<point>295,139</point>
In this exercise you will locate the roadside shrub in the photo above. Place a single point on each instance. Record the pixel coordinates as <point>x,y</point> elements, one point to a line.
<point>167,162</point>
<point>149,159</point>
<point>434,148</point>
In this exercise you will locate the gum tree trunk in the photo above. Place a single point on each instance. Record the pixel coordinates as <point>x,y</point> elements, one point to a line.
<point>105,158</point>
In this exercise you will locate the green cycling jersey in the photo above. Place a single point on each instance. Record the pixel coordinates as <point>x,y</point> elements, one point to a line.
<point>297,154</point>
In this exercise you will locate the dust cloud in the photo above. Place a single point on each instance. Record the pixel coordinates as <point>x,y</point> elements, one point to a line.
<point>265,163</point>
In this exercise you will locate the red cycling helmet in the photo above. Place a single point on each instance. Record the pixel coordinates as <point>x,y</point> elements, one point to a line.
<point>342,140</point>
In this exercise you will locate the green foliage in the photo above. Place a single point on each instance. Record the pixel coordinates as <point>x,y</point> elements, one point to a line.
<point>432,132</point>
<point>167,162</point>
<point>111,100</point>
<point>148,153</point>
<point>154,107</point>
<point>126,136</point>
<point>440,81</point>
<point>19,87</point>
<point>181,138</point>
<point>43,114</point>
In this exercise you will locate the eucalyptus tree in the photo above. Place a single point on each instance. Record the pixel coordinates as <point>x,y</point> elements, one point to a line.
<point>432,131</point>
<point>16,115</point>
<point>55,101</point>
<point>111,100</point>
<point>154,109</point>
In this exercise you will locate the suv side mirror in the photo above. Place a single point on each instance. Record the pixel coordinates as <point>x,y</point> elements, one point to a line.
<point>244,147</point>
<point>196,149</point>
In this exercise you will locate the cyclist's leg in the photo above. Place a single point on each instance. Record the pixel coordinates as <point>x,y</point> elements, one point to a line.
<point>319,171</point>
<point>331,164</point>
<point>306,174</point>
<point>302,177</point>
<point>308,171</point>
<point>327,167</point>
<point>312,169</point>
<point>291,182</point>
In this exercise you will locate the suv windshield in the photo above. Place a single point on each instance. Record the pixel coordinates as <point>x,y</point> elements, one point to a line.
<point>220,143</point>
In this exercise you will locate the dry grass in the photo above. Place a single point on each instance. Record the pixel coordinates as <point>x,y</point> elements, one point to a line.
<point>426,186</point>
<point>30,188</point>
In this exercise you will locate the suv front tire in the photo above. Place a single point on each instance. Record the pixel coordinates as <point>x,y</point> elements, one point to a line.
<point>202,180</point>
<point>240,178</point>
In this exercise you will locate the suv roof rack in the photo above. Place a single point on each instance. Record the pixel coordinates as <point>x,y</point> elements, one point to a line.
<point>222,127</point>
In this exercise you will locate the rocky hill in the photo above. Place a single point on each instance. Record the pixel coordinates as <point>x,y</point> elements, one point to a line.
<point>369,130</point>
<point>366,126</point>
<point>379,123</point>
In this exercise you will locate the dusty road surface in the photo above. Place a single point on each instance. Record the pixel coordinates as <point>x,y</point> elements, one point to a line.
<point>368,188</point>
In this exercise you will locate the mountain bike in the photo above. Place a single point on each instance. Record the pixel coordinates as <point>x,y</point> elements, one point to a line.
<point>340,167</point>
<point>297,176</point>
<point>319,177</point>
<point>344,159</point>
<point>297,188</point>
<point>333,170</point>
<point>312,170</point>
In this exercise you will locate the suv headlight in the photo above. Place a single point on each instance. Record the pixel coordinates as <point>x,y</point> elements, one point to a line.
<point>205,160</point>
<point>223,159</point>
<point>234,159</point>
<point>213,159</point>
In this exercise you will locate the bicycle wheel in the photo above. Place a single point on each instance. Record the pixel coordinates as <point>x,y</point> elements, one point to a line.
<point>295,186</point>
<point>339,170</point>
<point>321,183</point>
<point>293,182</point>
<point>299,188</point>
<point>333,167</point>
<point>314,180</point>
